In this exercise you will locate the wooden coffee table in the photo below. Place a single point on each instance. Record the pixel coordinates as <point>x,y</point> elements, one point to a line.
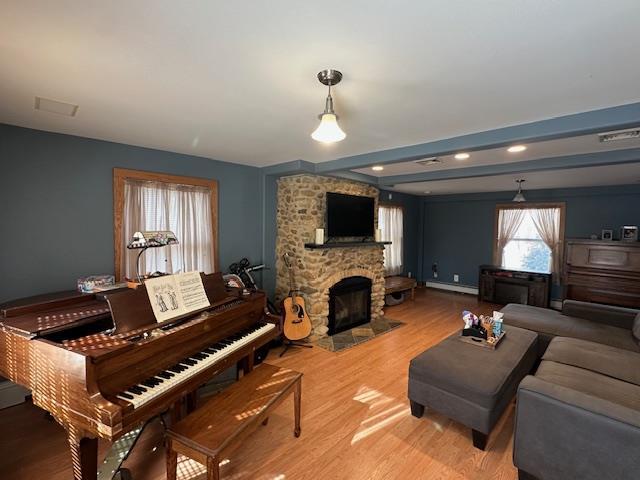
<point>399,284</point>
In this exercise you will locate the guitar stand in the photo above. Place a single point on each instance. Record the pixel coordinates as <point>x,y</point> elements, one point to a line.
<point>290,344</point>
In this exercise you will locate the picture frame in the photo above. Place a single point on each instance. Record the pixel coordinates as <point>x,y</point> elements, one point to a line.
<point>629,233</point>
<point>607,235</point>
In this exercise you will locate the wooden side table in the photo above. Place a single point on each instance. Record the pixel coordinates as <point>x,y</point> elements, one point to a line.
<point>215,429</point>
<point>399,284</point>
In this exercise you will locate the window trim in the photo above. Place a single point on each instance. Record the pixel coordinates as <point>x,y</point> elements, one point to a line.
<point>531,206</point>
<point>122,174</point>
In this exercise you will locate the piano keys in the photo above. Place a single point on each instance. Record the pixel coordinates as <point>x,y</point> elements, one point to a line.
<point>101,365</point>
<point>183,370</point>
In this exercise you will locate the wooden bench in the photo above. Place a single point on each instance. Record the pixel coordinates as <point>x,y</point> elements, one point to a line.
<point>212,431</point>
<point>399,284</point>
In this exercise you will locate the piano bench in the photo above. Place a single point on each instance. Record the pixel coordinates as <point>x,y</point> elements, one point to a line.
<point>212,431</point>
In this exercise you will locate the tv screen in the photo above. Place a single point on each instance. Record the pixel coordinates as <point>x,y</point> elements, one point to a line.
<point>349,215</point>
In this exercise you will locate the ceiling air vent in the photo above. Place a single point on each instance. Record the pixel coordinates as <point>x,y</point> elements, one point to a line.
<point>54,106</point>
<point>427,162</point>
<point>619,135</point>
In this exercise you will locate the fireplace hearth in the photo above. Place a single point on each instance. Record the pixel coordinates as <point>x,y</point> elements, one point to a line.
<point>349,304</point>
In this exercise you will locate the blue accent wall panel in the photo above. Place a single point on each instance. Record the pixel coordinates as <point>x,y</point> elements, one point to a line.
<point>56,213</point>
<point>458,229</point>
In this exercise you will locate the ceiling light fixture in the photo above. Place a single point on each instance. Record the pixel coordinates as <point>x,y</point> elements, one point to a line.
<point>377,168</point>
<point>519,196</point>
<point>461,156</point>
<point>517,148</point>
<point>328,131</point>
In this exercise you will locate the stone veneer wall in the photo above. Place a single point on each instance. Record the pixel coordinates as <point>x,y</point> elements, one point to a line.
<point>301,209</point>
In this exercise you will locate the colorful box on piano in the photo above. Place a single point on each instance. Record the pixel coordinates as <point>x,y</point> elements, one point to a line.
<point>95,283</point>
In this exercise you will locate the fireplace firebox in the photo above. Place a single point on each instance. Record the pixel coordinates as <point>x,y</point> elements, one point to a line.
<point>349,304</point>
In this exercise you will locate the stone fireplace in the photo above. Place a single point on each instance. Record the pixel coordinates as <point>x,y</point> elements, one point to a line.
<point>302,209</point>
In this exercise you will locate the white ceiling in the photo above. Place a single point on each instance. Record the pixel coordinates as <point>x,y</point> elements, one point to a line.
<point>552,148</point>
<point>236,81</point>
<point>577,177</point>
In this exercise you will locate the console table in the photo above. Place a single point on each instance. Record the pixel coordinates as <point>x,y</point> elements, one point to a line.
<point>500,285</point>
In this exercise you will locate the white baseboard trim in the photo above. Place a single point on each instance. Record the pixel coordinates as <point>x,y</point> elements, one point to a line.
<point>555,304</point>
<point>11,394</point>
<point>452,288</point>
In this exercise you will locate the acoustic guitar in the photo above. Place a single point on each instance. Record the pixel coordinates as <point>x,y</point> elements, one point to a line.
<point>296,322</point>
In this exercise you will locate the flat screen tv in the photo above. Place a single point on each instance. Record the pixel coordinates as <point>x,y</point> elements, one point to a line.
<point>349,215</point>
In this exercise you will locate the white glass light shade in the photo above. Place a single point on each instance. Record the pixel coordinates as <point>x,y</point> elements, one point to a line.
<point>328,131</point>
<point>519,197</point>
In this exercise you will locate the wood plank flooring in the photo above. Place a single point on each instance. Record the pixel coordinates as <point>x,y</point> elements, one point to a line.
<point>356,422</point>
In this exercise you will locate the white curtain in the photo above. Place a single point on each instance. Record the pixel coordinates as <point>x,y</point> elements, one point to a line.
<point>547,222</point>
<point>390,223</point>
<point>183,209</point>
<point>509,220</point>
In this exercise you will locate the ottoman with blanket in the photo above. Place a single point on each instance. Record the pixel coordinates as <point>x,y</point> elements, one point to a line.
<point>471,384</point>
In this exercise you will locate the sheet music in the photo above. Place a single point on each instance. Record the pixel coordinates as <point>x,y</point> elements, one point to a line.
<point>174,295</point>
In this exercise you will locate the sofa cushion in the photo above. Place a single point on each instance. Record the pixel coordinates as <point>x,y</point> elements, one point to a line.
<point>611,361</point>
<point>551,323</point>
<point>591,383</point>
<point>620,317</point>
<point>479,375</point>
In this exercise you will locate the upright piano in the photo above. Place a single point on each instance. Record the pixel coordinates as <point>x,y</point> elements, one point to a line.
<point>102,366</point>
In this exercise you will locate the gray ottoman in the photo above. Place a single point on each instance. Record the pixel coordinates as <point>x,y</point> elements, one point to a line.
<point>470,384</point>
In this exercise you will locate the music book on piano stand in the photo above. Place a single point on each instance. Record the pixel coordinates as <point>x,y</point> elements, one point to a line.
<point>175,295</point>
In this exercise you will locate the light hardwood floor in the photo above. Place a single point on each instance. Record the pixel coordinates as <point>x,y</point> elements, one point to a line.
<point>356,422</point>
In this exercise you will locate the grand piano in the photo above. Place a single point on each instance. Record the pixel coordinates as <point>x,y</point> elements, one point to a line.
<point>102,366</point>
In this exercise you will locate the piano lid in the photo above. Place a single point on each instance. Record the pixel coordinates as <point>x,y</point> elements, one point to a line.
<point>37,322</point>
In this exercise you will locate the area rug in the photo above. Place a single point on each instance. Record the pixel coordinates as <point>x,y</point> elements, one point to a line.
<point>349,338</point>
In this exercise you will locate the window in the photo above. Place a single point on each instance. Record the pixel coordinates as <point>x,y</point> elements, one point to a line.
<point>390,223</point>
<point>187,206</point>
<point>529,237</point>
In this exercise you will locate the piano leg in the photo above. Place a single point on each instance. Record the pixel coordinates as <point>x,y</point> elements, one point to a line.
<point>192,401</point>
<point>176,411</point>
<point>84,454</point>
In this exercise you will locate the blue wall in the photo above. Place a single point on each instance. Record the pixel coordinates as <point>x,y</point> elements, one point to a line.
<point>56,214</point>
<point>458,229</point>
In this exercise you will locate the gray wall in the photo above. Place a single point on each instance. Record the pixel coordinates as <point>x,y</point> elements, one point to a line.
<point>56,214</point>
<point>458,229</point>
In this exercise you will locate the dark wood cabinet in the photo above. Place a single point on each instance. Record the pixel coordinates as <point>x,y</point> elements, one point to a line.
<point>602,272</point>
<point>499,285</point>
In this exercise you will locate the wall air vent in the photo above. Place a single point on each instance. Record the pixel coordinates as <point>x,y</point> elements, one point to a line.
<point>54,106</point>
<point>619,135</point>
<point>427,162</point>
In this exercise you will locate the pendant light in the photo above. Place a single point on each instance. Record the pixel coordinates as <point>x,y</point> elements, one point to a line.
<point>328,131</point>
<point>519,196</point>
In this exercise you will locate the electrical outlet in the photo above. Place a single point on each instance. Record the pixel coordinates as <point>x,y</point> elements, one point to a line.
<point>456,278</point>
<point>435,274</point>
<point>409,274</point>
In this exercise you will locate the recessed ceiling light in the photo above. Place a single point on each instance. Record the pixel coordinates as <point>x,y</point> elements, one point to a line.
<point>461,156</point>
<point>377,168</point>
<point>54,106</point>
<point>517,148</point>
<point>427,192</point>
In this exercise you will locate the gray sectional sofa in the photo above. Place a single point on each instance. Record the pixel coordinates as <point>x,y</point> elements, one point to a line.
<point>578,417</point>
